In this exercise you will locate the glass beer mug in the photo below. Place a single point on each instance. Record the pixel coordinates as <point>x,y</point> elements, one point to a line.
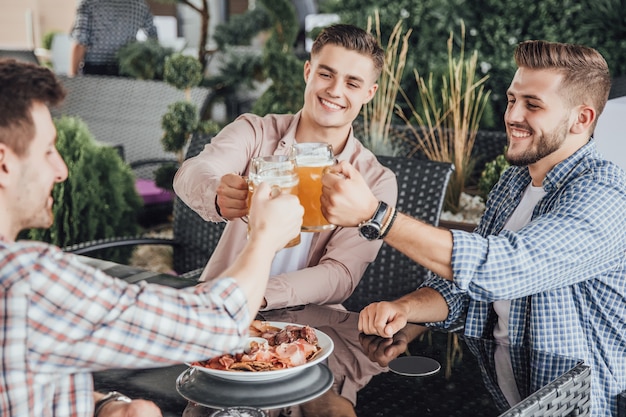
<point>312,158</point>
<point>277,171</point>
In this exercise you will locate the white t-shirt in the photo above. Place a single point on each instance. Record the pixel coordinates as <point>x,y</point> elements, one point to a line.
<point>504,369</point>
<point>293,258</point>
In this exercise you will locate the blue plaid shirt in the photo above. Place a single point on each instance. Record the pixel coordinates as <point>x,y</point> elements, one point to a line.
<point>565,271</point>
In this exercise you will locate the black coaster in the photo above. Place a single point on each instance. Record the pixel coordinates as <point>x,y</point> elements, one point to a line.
<point>414,366</point>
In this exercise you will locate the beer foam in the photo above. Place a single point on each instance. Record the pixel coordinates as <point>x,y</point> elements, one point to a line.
<point>313,161</point>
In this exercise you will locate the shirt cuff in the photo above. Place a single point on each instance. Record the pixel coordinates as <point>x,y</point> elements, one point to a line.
<point>226,292</point>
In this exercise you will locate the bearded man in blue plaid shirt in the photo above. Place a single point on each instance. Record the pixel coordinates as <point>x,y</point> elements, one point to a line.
<point>546,266</point>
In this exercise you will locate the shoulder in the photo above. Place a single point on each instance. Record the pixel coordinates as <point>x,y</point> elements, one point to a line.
<point>257,129</point>
<point>368,164</point>
<point>277,122</point>
<point>18,259</point>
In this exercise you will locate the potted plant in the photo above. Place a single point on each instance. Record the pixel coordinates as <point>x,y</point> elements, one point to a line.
<point>182,117</point>
<point>444,127</point>
<point>378,113</point>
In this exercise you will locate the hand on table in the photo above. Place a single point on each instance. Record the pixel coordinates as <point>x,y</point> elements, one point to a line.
<point>346,198</point>
<point>232,196</point>
<point>383,350</point>
<point>136,408</point>
<point>382,319</point>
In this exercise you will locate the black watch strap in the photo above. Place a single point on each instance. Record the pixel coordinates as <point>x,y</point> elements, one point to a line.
<point>371,229</point>
<point>379,215</point>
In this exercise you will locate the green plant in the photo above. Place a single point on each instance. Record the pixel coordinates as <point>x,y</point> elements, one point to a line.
<point>181,119</point>
<point>378,113</point>
<point>241,28</point>
<point>98,199</point>
<point>205,17</point>
<point>183,72</point>
<point>491,174</point>
<point>494,28</point>
<point>48,37</point>
<point>143,60</point>
<point>285,94</point>
<point>449,117</point>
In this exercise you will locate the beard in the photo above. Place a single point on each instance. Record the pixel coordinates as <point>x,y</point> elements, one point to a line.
<point>542,147</point>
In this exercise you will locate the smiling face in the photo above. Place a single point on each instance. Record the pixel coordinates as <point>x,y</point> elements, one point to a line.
<point>36,173</point>
<point>538,119</point>
<point>338,82</point>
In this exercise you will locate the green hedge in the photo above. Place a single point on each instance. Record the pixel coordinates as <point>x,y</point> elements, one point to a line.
<point>98,199</point>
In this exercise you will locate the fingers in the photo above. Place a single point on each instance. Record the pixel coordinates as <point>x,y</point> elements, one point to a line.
<point>232,196</point>
<point>276,215</point>
<point>346,198</point>
<point>382,319</point>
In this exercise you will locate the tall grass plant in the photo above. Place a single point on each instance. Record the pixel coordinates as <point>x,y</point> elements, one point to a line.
<point>445,123</point>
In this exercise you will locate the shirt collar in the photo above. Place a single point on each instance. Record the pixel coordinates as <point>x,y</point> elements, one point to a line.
<point>289,138</point>
<point>558,175</point>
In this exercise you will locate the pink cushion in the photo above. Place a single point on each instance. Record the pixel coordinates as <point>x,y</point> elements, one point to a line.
<point>152,194</point>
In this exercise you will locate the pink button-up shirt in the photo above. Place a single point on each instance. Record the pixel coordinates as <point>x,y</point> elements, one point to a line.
<point>337,259</point>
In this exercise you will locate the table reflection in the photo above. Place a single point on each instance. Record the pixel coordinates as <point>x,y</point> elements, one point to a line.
<point>363,385</point>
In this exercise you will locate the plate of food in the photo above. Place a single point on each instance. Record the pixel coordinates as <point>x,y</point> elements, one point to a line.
<point>274,350</point>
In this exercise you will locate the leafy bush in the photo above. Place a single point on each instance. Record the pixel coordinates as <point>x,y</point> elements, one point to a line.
<point>181,119</point>
<point>143,60</point>
<point>491,174</point>
<point>241,28</point>
<point>286,93</point>
<point>98,199</point>
<point>183,72</point>
<point>494,28</point>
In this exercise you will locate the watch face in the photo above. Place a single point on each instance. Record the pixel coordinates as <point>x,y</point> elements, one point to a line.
<point>370,231</point>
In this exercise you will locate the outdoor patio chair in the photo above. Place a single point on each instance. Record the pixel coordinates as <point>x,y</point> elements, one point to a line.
<point>24,55</point>
<point>126,113</point>
<point>194,239</point>
<point>421,189</point>
<point>568,395</point>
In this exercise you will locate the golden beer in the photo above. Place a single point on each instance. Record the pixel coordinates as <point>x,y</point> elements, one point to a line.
<point>312,159</point>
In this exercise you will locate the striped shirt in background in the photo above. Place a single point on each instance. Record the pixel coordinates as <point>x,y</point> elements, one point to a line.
<point>104,26</point>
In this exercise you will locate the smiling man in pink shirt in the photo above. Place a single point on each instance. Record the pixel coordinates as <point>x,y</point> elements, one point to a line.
<point>326,266</point>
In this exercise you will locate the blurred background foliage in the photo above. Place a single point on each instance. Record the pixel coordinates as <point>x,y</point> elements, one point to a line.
<point>98,200</point>
<point>494,27</point>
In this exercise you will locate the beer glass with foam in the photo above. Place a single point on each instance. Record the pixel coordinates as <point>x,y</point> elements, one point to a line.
<point>278,171</point>
<point>312,158</point>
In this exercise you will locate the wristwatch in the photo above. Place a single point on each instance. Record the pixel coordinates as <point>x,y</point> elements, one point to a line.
<point>109,397</point>
<point>371,229</point>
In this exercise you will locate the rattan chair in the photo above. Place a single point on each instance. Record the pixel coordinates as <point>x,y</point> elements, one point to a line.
<point>126,113</point>
<point>421,190</point>
<point>568,395</point>
<point>194,239</point>
<point>23,55</point>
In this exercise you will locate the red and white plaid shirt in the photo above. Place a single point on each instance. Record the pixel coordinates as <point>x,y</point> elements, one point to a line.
<point>62,320</point>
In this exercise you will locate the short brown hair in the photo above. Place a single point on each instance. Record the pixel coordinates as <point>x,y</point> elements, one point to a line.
<point>22,84</point>
<point>586,77</point>
<point>352,38</point>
